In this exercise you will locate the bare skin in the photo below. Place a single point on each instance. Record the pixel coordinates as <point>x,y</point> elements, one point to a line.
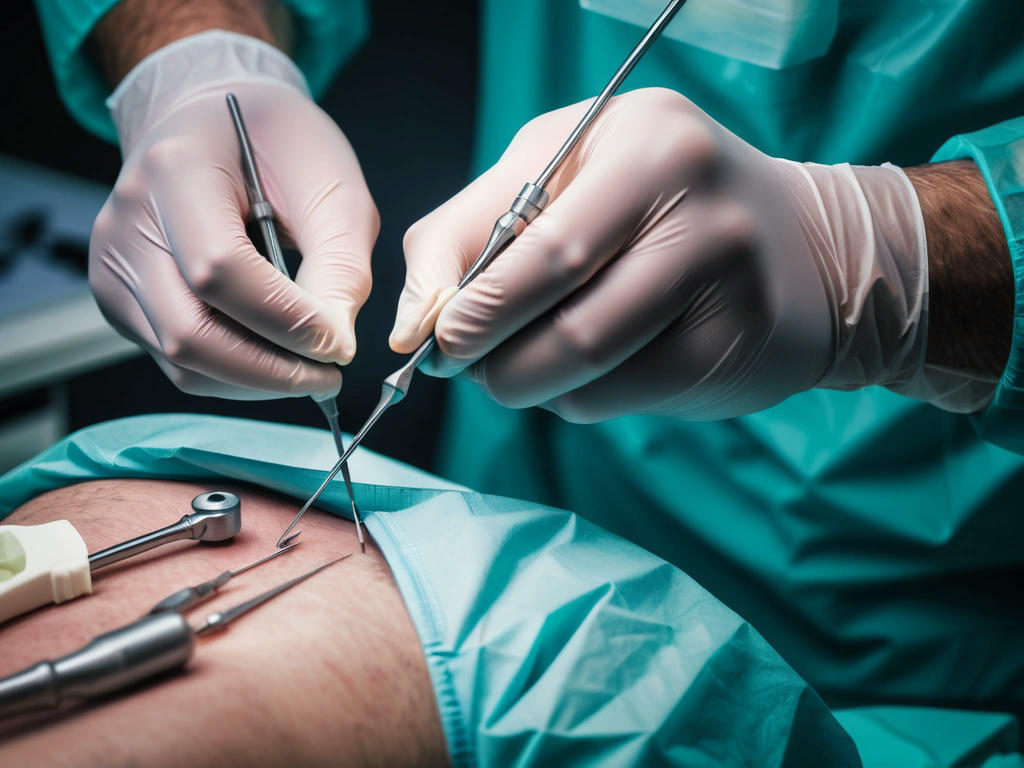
<point>329,673</point>
<point>133,29</point>
<point>970,276</point>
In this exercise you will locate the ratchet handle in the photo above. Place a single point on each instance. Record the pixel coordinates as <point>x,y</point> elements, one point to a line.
<point>176,532</point>
<point>111,662</point>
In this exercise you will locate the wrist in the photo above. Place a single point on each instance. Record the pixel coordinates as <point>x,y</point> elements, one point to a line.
<point>134,29</point>
<point>865,227</point>
<point>970,277</point>
<point>170,75</point>
<point>921,276</point>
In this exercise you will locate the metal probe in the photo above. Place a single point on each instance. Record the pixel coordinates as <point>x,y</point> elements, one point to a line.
<point>264,215</point>
<point>527,205</point>
<point>155,644</point>
<point>189,597</point>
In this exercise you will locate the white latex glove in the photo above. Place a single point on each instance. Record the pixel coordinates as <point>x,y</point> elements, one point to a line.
<point>676,270</point>
<point>169,260</point>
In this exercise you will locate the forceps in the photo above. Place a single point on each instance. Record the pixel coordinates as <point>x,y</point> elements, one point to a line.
<point>264,215</point>
<point>525,208</point>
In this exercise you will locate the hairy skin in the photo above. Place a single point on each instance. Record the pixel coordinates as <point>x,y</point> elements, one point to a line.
<point>133,29</point>
<point>329,673</point>
<point>970,277</point>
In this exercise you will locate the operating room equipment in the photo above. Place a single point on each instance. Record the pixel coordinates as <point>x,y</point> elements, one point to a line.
<point>156,643</point>
<point>216,516</point>
<point>189,597</point>
<point>39,565</point>
<point>49,563</point>
<point>525,208</point>
<point>263,213</point>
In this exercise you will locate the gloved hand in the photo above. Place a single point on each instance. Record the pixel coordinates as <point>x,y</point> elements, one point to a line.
<point>676,270</point>
<point>169,260</point>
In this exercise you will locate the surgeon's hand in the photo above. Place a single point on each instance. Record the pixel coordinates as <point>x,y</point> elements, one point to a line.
<point>676,270</point>
<point>170,262</point>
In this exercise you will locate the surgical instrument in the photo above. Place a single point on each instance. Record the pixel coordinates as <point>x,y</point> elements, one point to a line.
<point>189,597</point>
<point>41,564</point>
<point>219,620</point>
<point>155,644</point>
<point>216,516</point>
<point>49,563</point>
<point>524,209</point>
<point>263,213</point>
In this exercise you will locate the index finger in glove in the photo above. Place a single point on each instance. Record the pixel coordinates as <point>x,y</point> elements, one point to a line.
<point>319,194</point>
<point>440,247</point>
<point>200,350</point>
<point>201,211</point>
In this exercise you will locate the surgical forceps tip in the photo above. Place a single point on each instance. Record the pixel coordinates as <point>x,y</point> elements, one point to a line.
<point>359,528</point>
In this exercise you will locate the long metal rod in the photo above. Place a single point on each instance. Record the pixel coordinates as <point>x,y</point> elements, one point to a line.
<point>188,597</point>
<point>178,531</point>
<point>397,384</point>
<point>261,208</point>
<point>264,214</point>
<point>613,85</point>
<point>221,619</point>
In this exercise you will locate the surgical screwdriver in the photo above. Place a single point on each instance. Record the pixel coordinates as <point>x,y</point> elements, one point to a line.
<point>524,209</point>
<point>155,644</point>
<point>263,213</point>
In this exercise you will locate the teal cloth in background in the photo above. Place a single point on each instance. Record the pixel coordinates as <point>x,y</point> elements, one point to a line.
<point>999,152</point>
<point>922,737</point>
<point>873,540</point>
<point>549,641</point>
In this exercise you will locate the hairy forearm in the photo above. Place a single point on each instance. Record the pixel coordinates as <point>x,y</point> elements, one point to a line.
<point>970,278</point>
<point>133,29</point>
<point>329,673</point>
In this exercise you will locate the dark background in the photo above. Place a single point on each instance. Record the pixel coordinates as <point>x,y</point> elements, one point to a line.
<point>406,102</point>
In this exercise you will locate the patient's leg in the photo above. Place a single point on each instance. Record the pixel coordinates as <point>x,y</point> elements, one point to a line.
<point>331,672</point>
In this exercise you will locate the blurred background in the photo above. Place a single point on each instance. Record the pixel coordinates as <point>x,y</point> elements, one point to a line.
<point>406,102</point>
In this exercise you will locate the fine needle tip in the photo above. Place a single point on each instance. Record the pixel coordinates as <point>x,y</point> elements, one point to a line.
<point>288,543</point>
<point>359,528</point>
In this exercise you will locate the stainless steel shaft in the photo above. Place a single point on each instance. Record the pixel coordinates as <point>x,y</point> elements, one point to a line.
<point>216,516</point>
<point>528,204</point>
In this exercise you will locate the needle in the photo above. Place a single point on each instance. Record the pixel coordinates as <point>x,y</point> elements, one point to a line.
<point>264,215</point>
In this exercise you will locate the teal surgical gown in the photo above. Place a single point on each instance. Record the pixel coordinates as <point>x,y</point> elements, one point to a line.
<point>873,540</point>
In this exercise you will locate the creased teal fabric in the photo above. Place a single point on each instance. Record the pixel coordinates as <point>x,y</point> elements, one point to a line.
<point>549,641</point>
<point>874,541</point>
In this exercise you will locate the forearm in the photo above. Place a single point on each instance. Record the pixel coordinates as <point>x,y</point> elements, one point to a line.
<point>970,279</point>
<point>331,672</point>
<point>136,28</point>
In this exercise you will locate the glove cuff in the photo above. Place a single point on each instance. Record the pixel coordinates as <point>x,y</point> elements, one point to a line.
<point>876,272</point>
<point>161,81</point>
